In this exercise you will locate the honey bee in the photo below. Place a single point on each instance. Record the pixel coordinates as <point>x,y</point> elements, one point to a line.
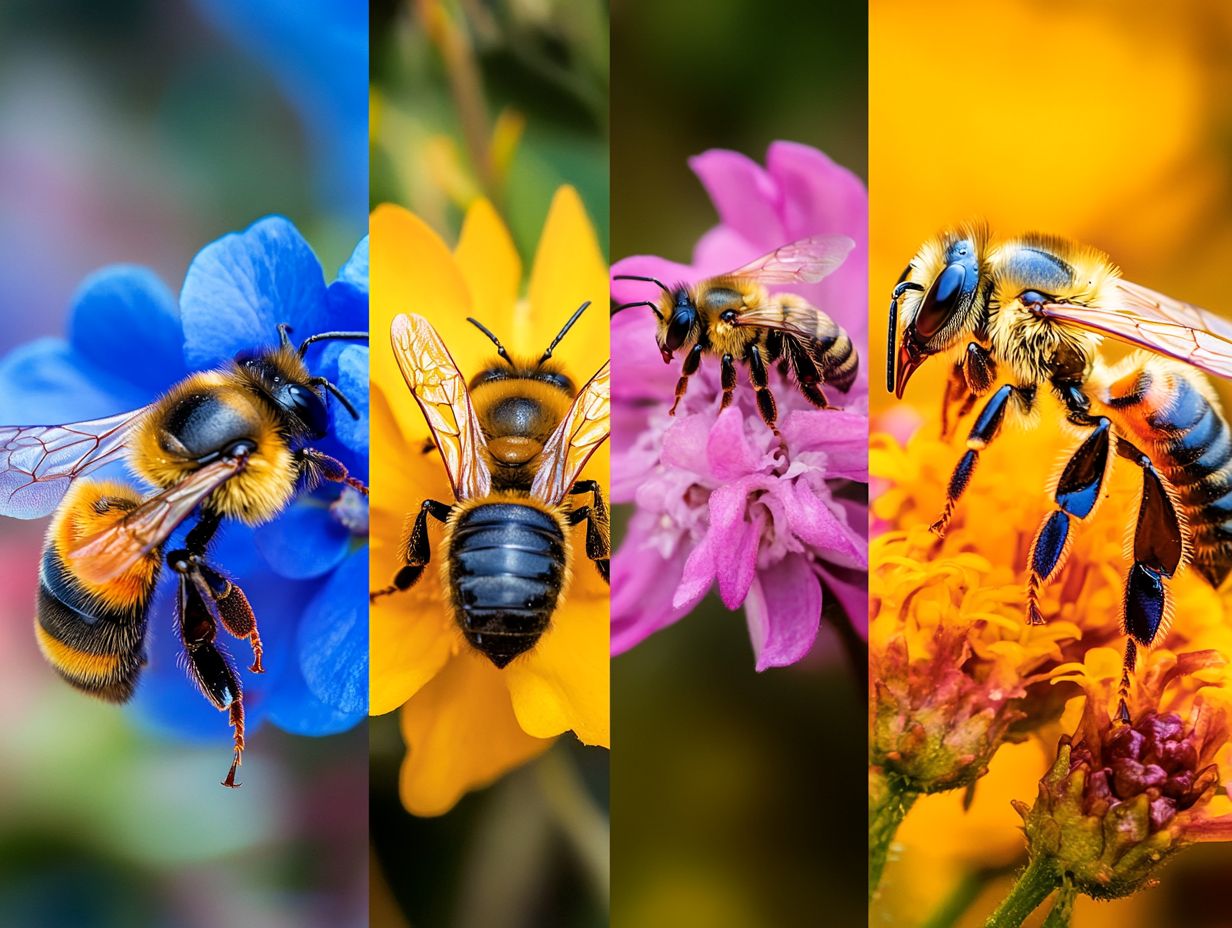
<point>1030,313</point>
<point>514,444</point>
<point>230,443</point>
<point>735,318</point>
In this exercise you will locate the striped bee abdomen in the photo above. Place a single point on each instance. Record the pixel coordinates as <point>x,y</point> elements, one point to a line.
<point>839,362</point>
<point>1166,408</point>
<point>93,634</point>
<point>506,572</point>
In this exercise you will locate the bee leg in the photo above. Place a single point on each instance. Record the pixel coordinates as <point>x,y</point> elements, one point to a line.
<point>418,550</point>
<point>1159,551</point>
<point>691,362</point>
<point>765,399</point>
<point>208,665</point>
<point>598,526</point>
<point>985,429</point>
<point>955,387</point>
<point>1078,490</point>
<point>728,380</point>
<point>808,378</point>
<point>315,466</point>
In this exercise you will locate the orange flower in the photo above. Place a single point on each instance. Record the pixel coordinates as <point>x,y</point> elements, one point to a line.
<point>464,721</point>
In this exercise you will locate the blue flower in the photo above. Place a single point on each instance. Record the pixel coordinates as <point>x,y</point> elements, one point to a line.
<point>306,572</point>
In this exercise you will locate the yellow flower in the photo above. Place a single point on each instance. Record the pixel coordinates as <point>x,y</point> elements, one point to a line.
<point>464,721</point>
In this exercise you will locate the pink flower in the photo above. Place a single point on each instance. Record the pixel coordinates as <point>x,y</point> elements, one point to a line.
<point>717,502</point>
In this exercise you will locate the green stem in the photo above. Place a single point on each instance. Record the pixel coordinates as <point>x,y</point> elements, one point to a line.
<point>954,906</point>
<point>888,803</point>
<point>1063,909</point>
<point>1032,887</point>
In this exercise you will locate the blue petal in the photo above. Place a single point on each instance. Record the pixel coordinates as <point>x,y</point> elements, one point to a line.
<point>353,382</point>
<point>305,541</point>
<point>125,320</point>
<point>293,707</point>
<point>355,271</point>
<point>239,288</point>
<point>45,382</point>
<point>333,638</point>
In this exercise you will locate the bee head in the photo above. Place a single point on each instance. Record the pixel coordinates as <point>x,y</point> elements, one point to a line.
<point>678,318</point>
<point>939,293</point>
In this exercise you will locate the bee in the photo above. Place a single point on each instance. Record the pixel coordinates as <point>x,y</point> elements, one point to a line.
<point>514,444</point>
<point>1030,313</point>
<point>734,317</point>
<point>231,443</point>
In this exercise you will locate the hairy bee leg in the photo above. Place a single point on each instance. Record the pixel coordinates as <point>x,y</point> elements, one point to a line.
<point>1159,551</point>
<point>1078,490</point>
<point>418,550</point>
<point>315,466</point>
<point>985,429</point>
<point>808,378</point>
<point>598,526</point>
<point>691,362</point>
<point>208,665</point>
<point>765,399</point>
<point>238,618</point>
<point>728,380</point>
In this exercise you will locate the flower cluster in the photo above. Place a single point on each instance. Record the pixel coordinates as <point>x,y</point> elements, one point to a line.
<point>717,500</point>
<point>305,573</point>
<point>958,673</point>
<point>464,721</point>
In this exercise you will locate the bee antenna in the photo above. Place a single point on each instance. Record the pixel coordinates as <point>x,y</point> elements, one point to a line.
<point>649,303</point>
<point>333,388</point>
<point>561,334</point>
<point>500,349</point>
<point>320,337</point>
<point>648,280</point>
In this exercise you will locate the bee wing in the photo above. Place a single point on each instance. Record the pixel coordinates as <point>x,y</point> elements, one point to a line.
<point>1142,317</point>
<point>804,262</point>
<point>38,462</point>
<point>115,549</point>
<point>796,319</point>
<point>579,435</point>
<point>439,389</point>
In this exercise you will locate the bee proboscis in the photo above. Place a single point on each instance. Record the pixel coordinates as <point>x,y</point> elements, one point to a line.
<point>231,443</point>
<point>1027,313</point>
<point>735,318</point>
<point>514,443</point>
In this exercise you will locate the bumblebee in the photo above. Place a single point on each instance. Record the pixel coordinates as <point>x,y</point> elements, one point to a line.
<point>735,318</point>
<point>1030,313</point>
<point>514,444</point>
<point>231,443</point>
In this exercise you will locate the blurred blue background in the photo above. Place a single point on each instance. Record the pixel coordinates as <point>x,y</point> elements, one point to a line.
<point>137,131</point>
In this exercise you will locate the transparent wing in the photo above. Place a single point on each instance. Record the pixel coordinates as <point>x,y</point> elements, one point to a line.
<point>580,433</point>
<point>796,319</point>
<point>118,547</point>
<point>804,262</point>
<point>433,378</point>
<point>1143,317</point>
<point>38,462</point>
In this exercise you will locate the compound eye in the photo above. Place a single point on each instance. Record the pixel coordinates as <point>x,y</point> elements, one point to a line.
<point>678,330</point>
<point>307,406</point>
<point>941,301</point>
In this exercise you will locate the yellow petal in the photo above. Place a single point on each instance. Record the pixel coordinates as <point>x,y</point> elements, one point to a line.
<point>460,734</point>
<point>493,273</point>
<point>564,683</point>
<point>412,271</point>
<point>410,643</point>
<point>569,269</point>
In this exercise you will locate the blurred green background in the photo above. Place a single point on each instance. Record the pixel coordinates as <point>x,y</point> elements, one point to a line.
<point>138,131</point>
<point>737,798</point>
<point>507,100</point>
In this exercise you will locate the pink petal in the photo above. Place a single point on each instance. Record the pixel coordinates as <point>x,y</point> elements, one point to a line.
<point>697,576</point>
<point>684,442</point>
<point>783,612</point>
<point>723,249</point>
<point>746,198</point>
<point>642,588</point>
<point>817,525</point>
<point>850,588</point>
<point>727,447</point>
<point>734,541</point>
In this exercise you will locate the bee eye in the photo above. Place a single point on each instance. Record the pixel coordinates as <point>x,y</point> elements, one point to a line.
<point>941,301</point>
<point>678,330</point>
